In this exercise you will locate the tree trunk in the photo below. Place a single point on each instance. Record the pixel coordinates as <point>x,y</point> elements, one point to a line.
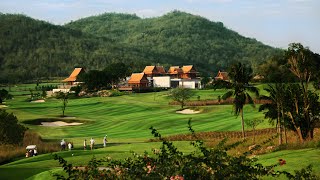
<point>298,130</point>
<point>254,135</point>
<point>285,128</point>
<point>242,123</point>
<point>285,134</point>
<point>300,135</point>
<point>279,126</point>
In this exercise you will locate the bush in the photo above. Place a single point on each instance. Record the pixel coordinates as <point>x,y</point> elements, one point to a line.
<point>76,90</point>
<point>169,163</point>
<point>10,131</point>
<point>4,94</point>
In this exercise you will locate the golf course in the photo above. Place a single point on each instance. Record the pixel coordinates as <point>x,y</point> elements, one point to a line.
<point>126,120</point>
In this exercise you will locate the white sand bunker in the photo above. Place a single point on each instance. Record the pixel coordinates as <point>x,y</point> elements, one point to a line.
<point>3,106</point>
<point>188,111</point>
<point>59,123</point>
<point>38,101</point>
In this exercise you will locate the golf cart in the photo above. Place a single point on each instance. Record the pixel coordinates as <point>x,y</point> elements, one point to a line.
<point>31,150</point>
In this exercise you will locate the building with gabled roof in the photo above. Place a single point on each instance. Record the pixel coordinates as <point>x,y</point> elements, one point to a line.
<point>222,76</point>
<point>72,79</point>
<point>189,72</point>
<point>151,71</point>
<point>138,80</point>
<point>175,72</point>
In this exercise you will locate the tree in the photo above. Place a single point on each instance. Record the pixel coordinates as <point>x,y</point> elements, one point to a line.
<point>64,98</point>
<point>302,63</point>
<point>253,123</point>
<point>11,132</point>
<point>275,105</point>
<point>286,105</point>
<point>4,94</point>
<point>239,88</point>
<point>181,95</point>
<point>116,71</point>
<point>276,70</point>
<point>205,80</point>
<point>295,111</point>
<point>96,80</point>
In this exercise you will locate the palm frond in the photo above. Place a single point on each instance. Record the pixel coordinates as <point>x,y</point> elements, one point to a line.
<point>250,100</point>
<point>221,84</point>
<point>253,89</point>
<point>227,95</point>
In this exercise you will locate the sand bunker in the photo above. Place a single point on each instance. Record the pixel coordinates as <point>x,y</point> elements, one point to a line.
<point>188,111</point>
<point>3,106</point>
<point>59,123</point>
<point>38,101</point>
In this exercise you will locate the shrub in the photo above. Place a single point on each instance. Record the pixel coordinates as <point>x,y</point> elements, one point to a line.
<point>10,131</point>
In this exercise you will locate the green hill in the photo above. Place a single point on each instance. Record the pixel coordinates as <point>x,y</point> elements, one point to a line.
<point>31,49</point>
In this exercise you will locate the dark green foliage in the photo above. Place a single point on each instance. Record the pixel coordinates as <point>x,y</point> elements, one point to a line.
<point>96,80</point>
<point>46,87</point>
<point>287,107</point>
<point>10,131</point>
<point>180,38</point>
<point>170,163</point>
<point>76,89</point>
<point>31,49</point>
<point>4,94</point>
<point>116,71</point>
<point>181,95</point>
<point>205,81</point>
<point>275,70</point>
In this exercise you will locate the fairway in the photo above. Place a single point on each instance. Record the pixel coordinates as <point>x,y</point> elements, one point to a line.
<point>126,120</point>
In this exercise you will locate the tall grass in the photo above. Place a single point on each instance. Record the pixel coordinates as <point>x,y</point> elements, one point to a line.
<point>262,136</point>
<point>11,152</point>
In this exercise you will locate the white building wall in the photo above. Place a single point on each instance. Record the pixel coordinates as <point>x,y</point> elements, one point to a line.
<point>163,81</point>
<point>187,84</point>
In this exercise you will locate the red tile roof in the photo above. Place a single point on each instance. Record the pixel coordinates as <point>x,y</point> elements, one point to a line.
<point>175,70</point>
<point>137,78</point>
<point>148,69</point>
<point>154,70</point>
<point>73,75</point>
<point>222,75</point>
<point>187,69</point>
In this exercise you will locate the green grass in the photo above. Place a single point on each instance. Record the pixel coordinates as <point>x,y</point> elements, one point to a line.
<point>28,167</point>
<point>126,120</point>
<point>128,117</point>
<point>295,160</point>
<point>42,166</point>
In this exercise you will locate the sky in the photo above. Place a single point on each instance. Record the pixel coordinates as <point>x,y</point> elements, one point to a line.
<point>273,22</point>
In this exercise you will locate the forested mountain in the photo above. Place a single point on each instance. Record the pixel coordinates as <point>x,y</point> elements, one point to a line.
<point>31,49</point>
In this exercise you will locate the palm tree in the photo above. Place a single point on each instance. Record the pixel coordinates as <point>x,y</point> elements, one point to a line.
<point>275,105</point>
<point>239,89</point>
